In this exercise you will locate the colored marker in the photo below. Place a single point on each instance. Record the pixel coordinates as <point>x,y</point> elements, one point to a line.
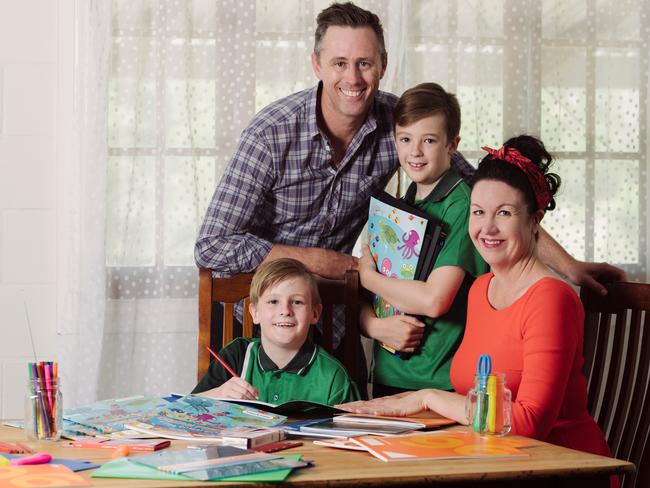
<point>492,403</point>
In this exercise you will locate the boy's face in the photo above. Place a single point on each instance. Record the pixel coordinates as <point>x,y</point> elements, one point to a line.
<point>285,312</point>
<point>423,149</point>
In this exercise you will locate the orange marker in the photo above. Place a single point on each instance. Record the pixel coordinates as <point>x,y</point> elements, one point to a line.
<point>121,451</point>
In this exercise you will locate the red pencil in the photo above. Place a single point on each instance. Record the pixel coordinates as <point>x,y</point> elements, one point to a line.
<point>223,363</point>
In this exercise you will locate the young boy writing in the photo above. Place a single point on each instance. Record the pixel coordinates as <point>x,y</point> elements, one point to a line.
<point>427,125</point>
<point>283,365</point>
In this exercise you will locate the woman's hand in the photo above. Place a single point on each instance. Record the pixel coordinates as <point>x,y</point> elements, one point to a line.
<point>400,405</point>
<point>235,388</point>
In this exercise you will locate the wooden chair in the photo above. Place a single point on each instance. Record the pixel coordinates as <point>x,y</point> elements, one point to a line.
<point>617,367</point>
<point>231,290</point>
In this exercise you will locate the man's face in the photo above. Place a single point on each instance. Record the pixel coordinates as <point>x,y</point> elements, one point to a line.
<point>350,67</point>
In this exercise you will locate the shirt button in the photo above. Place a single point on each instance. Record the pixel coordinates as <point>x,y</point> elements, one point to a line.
<point>276,398</point>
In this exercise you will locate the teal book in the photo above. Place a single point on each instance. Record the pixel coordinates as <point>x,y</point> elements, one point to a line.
<point>404,241</point>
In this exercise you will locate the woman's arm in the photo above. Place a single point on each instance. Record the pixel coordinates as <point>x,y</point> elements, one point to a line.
<point>580,273</point>
<point>446,403</point>
<point>551,337</point>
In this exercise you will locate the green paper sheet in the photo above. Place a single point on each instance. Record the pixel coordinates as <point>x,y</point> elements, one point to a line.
<point>122,468</point>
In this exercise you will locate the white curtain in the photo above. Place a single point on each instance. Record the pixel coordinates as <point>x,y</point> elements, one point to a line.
<point>178,80</point>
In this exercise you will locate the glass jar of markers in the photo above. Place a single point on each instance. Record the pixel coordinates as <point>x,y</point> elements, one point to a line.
<point>43,409</point>
<point>488,405</point>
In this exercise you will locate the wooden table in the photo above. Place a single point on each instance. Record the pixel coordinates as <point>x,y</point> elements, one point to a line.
<point>547,465</point>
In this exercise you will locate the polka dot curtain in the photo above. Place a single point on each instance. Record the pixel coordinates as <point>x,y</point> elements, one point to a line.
<point>186,76</point>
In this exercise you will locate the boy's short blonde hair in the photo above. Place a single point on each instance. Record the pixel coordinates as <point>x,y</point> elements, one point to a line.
<point>271,273</point>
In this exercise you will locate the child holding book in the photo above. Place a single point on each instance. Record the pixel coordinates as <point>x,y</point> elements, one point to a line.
<point>283,365</point>
<point>427,125</point>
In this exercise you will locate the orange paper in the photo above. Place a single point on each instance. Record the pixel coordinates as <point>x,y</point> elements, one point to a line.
<point>440,445</point>
<point>50,475</point>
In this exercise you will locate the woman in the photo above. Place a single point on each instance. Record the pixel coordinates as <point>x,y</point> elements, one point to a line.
<point>529,321</point>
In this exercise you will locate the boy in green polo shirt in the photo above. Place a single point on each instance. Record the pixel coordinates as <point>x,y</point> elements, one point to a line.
<point>427,124</point>
<point>283,365</point>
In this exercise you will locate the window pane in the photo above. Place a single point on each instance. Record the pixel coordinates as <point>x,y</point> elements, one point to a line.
<point>428,18</point>
<point>616,220</point>
<point>564,98</point>
<point>483,18</point>
<point>275,60</point>
<point>617,100</point>
<point>618,19</point>
<point>282,16</point>
<point>564,20</point>
<point>481,102</point>
<point>130,211</point>
<point>189,113</point>
<point>567,223</point>
<point>189,184</point>
<point>426,62</point>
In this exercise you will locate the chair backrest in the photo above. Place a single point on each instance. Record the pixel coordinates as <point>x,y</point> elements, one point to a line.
<point>231,290</point>
<point>617,367</point>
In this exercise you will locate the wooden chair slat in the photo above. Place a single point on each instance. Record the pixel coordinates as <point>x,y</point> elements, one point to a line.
<point>617,365</point>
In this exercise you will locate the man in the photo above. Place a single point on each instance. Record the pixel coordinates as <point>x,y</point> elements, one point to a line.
<point>299,182</point>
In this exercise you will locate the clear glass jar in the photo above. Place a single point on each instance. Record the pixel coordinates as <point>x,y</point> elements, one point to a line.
<point>43,409</point>
<point>488,406</point>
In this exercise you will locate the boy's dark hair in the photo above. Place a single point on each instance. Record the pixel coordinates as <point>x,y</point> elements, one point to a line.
<point>274,272</point>
<point>428,99</point>
<point>493,168</point>
<point>347,15</point>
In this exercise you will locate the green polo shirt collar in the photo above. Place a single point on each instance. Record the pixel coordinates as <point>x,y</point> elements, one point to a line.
<point>298,364</point>
<point>445,186</point>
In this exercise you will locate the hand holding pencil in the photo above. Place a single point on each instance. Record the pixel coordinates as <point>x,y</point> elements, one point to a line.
<point>235,387</point>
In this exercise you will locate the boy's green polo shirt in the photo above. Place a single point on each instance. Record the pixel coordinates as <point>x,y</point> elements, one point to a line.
<point>312,375</point>
<point>429,366</point>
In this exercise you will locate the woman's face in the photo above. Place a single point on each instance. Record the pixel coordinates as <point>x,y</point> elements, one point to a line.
<point>499,224</point>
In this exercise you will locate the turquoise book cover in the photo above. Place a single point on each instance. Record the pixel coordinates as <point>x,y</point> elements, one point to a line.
<point>395,238</point>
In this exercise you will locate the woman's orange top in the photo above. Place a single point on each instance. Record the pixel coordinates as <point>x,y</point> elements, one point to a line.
<point>537,343</point>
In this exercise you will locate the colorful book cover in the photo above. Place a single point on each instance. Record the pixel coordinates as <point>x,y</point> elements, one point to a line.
<point>404,242</point>
<point>440,445</point>
<point>196,416</point>
<point>395,241</point>
<point>108,416</point>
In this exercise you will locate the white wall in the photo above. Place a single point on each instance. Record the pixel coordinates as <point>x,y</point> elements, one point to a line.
<point>35,68</point>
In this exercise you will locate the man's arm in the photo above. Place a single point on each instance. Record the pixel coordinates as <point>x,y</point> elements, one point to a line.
<point>323,262</point>
<point>226,243</point>
<point>580,273</point>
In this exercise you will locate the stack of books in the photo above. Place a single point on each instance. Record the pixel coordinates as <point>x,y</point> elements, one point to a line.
<point>186,418</point>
